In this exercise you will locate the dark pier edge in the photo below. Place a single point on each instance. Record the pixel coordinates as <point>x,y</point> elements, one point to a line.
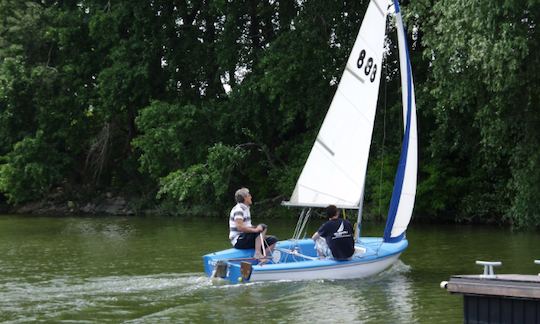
<point>507,298</point>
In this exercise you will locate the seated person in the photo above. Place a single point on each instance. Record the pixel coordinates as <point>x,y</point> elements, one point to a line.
<point>334,239</point>
<point>242,234</point>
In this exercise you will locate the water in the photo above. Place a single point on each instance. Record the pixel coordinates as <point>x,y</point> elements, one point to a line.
<point>148,270</point>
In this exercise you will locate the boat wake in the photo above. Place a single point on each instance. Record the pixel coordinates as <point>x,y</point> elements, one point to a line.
<point>113,297</point>
<point>173,297</point>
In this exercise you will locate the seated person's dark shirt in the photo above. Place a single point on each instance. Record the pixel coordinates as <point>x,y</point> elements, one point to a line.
<point>339,237</point>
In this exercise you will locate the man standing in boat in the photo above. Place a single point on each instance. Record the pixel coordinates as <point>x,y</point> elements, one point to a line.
<point>335,237</point>
<point>242,234</point>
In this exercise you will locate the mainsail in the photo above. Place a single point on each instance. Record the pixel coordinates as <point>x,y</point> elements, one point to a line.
<point>335,170</point>
<point>403,195</point>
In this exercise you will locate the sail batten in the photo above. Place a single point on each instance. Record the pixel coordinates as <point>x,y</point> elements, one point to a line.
<point>325,146</point>
<point>365,118</point>
<point>379,8</point>
<point>339,199</point>
<point>354,74</point>
<point>368,44</point>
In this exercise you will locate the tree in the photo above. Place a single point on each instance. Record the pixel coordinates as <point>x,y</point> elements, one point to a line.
<point>481,80</point>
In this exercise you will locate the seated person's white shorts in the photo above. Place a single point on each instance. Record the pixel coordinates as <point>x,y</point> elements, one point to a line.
<point>323,251</point>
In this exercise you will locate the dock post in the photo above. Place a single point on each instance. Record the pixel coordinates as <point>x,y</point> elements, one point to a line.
<point>488,268</point>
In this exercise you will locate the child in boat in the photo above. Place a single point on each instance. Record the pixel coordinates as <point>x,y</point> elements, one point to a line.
<point>334,239</point>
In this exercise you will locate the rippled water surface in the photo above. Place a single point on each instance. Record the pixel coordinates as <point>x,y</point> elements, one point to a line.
<point>148,270</point>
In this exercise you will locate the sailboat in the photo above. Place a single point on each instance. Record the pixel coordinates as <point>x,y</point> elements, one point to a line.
<point>335,171</point>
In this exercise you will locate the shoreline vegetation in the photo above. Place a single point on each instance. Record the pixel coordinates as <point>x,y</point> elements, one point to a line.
<point>168,107</point>
<point>109,204</point>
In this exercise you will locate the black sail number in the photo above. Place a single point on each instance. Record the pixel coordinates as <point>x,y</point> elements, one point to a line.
<point>369,67</point>
<point>373,72</point>
<point>361,58</point>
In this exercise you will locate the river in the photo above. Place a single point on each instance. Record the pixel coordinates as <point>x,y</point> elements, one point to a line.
<point>149,269</point>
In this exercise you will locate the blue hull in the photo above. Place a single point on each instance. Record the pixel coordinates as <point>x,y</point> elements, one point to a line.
<point>375,256</point>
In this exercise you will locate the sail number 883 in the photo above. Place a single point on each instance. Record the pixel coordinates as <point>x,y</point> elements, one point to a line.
<point>369,68</point>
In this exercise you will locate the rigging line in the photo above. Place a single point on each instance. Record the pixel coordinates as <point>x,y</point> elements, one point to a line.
<point>298,230</point>
<point>296,227</point>
<point>298,223</point>
<point>306,220</point>
<point>301,229</point>
<point>384,136</point>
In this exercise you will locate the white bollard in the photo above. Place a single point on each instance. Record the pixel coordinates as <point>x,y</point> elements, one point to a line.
<point>488,268</point>
<point>537,262</point>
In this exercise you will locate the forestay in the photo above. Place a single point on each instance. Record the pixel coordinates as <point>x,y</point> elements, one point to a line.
<point>336,167</point>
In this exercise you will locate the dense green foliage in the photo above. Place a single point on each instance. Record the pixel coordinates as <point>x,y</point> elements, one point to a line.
<point>129,97</point>
<point>481,96</point>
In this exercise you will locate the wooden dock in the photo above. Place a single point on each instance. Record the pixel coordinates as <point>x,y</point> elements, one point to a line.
<point>512,285</point>
<point>504,298</point>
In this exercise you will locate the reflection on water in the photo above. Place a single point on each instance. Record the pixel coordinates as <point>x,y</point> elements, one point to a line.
<point>358,300</point>
<point>148,270</point>
<point>400,294</point>
<point>87,227</point>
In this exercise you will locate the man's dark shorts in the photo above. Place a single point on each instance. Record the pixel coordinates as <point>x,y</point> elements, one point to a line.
<point>247,241</point>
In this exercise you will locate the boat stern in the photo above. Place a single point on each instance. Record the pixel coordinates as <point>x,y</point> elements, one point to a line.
<point>214,262</point>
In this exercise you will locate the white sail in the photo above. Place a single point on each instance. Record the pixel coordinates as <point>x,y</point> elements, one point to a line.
<point>336,167</point>
<point>403,196</point>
